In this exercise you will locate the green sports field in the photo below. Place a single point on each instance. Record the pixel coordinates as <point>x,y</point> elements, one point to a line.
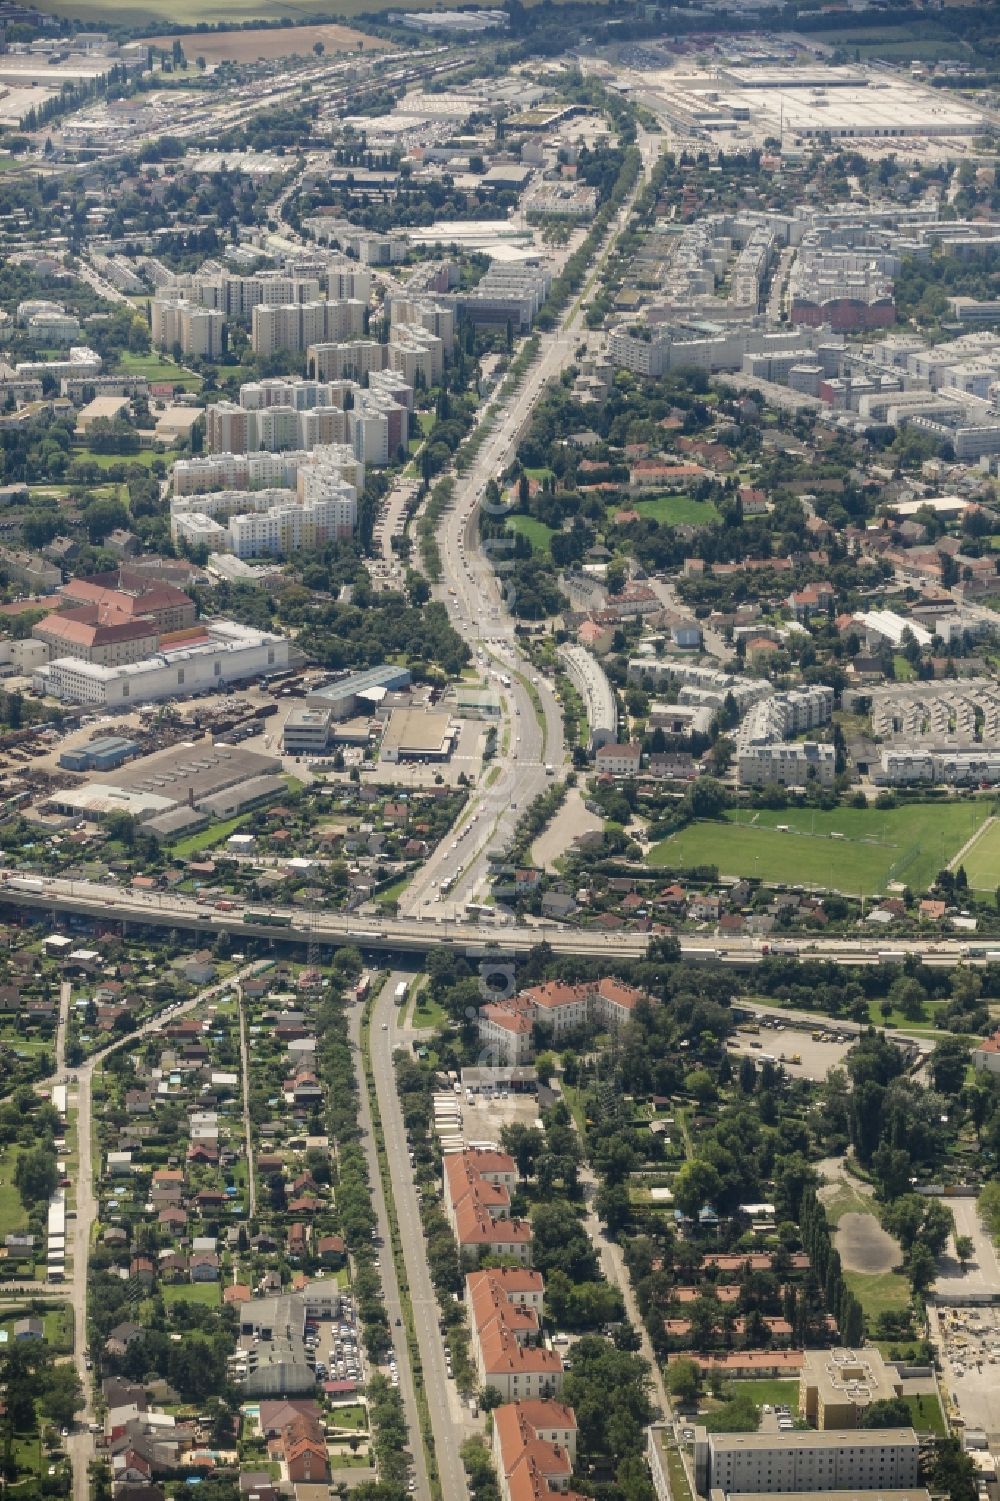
<point>537,533</point>
<point>982,861</point>
<point>677,510</point>
<point>908,844</point>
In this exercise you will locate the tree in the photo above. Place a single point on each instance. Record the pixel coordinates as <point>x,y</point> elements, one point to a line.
<point>921,1267</point>
<point>965,1249</point>
<point>35,1176</point>
<point>887,1412</point>
<point>948,1064</point>
<point>697,1183</point>
<point>614,1207</point>
<point>62,1397</point>
<point>684,1379</point>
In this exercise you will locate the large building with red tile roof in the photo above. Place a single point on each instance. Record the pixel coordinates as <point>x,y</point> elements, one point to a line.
<point>534,1449</point>
<point>560,1008</point>
<point>505,1308</point>
<point>505,1028</point>
<point>477,1190</point>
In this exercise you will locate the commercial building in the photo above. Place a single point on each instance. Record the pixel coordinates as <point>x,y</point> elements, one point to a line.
<point>195,776</point>
<point>360,691</point>
<point>837,1387</point>
<point>272,1350</point>
<point>870,1459</point>
<point>103,754</point>
<point>306,731</point>
<point>196,330</point>
<point>417,735</point>
<point>798,765</point>
<point>508,293</point>
<point>220,652</point>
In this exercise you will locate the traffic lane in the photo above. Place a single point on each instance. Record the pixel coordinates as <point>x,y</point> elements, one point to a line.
<point>387,1269</point>
<point>422,1298</point>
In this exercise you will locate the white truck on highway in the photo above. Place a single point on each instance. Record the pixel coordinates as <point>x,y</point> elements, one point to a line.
<point>400,992</point>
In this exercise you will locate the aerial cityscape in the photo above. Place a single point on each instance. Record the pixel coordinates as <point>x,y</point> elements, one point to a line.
<point>500,750</point>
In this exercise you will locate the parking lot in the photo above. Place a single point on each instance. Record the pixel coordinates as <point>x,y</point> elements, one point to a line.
<point>968,1342</point>
<point>486,1115</point>
<point>802,1054</point>
<point>336,1347</point>
<point>981,1276</point>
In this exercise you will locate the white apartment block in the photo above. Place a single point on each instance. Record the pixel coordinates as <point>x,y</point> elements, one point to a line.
<point>416,354</point>
<point>373,423</point>
<point>265,523</point>
<point>795,765</point>
<point>237,296</point>
<point>199,331</point>
<point>433,316</point>
<point>296,325</point>
<point>260,471</point>
<point>338,361</point>
<point>80,362</point>
<point>784,715</point>
<point>877,1459</point>
<point>910,767</point>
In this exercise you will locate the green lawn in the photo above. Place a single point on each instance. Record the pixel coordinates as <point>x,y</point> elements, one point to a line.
<point>537,533</point>
<point>206,838</point>
<point>145,456</point>
<point>677,510</point>
<point>908,844</point>
<point>926,1415</point>
<point>393,892</point>
<point>154,367</point>
<point>354,1417</point>
<point>982,862</point>
<point>898,1020</point>
<point>879,1292</point>
<point>902,670</point>
<point>427,1014</point>
<point>12,1212</point>
<point>207,1293</point>
<point>774,1393</point>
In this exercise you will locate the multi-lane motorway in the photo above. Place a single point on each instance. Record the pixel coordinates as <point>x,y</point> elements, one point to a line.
<point>443,1397</point>
<point>419,934</point>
